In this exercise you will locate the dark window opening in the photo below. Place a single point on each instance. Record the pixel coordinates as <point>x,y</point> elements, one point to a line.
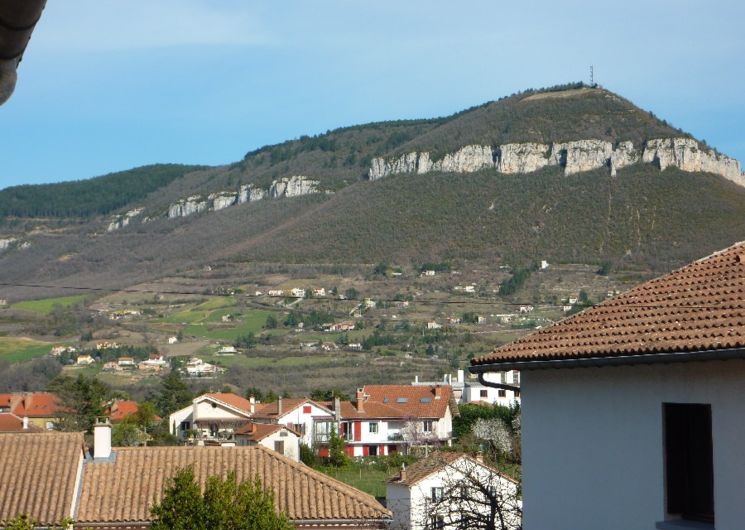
<point>689,466</point>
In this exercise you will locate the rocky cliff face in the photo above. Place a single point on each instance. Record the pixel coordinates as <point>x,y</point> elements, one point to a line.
<point>293,186</point>
<point>9,243</point>
<point>120,221</point>
<point>575,157</point>
<point>688,155</point>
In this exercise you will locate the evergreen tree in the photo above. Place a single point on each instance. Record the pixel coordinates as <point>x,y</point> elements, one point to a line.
<point>172,395</point>
<point>225,505</point>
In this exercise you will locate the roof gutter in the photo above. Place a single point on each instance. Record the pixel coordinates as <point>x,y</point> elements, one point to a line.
<point>620,360</point>
<point>492,384</point>
<point>17,21</point>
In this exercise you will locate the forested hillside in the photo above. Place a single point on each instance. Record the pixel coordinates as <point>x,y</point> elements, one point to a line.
<point>87,198</point>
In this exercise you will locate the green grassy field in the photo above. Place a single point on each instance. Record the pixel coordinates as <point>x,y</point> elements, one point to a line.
<point>44,306</point>
<point>361,476</point>
<point>211,328</point>
<point>17,349</point>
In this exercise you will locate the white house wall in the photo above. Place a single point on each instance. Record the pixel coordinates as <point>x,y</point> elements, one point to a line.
<point>292,444</point>
<point>592,446</point>
<point>297,416</point>
<point>178,417</point>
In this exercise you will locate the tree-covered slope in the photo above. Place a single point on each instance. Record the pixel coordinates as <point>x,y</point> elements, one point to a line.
<point>87,198</point>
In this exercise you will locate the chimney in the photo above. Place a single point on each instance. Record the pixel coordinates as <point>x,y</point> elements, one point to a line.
<point>360,397</point>
<point>102,438</point>
<point>25,423</point>
<point>252,401</point>
<point>461,376</point>
<point>337,408</point>
<point>438,392</point>
<point>279,407</point>
<point>480,457</point>
<point>402,474</point>
<point>416,378</point>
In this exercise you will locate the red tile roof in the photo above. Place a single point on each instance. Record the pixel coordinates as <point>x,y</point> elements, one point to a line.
<point>700,307</point>
<point>36,405</point>
<point>234,400</point>
<point>5,400</point>
<point>37,475</point>
<point>122,408</point>
<point>124,490</point>
<point>401,401</point>
<point>258,431</point>
<point>435,462</point>
<point>269,410</point>
<point>9,422</point>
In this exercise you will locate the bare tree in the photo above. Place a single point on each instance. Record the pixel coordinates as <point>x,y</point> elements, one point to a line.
<point>473,495</point>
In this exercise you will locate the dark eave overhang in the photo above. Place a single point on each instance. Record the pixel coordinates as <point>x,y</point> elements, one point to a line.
<point>610,360</point>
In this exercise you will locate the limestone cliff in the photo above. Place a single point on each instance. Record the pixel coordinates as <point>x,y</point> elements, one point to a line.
<point>120,221</point>
<point>574,156</point>
<point>294,186</point>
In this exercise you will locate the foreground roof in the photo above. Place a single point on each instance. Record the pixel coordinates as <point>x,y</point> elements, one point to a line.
<point>124,490</point>
<point>37,475</point>
<point>435,462</point>
<point>698,308</point>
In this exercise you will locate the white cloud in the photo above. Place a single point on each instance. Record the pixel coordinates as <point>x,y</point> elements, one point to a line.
<point>108,25</point>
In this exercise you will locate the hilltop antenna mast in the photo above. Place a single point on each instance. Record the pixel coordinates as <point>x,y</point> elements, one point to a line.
<point>592,76</point>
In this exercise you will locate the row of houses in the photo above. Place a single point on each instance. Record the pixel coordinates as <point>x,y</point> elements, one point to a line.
<point>381,420</point>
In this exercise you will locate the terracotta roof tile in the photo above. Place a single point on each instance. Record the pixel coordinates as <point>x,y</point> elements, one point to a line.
<point>699,307</point>
<point>124,490</point>
<point>258,431</point>
<point>37,475</point>
<point>234,400</point>
<point>437,461</point>
<point>35,405</point>
<point>269,410</point>
<point>413,401</point>
<point>9,422</point>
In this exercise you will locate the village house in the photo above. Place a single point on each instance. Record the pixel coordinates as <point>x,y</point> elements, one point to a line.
<point>211,417</point>
<point>354,346</point>
<point>504,389</point>
<point>275,292</point>
<point>276,437</point>
<point>347,325</point>
<point>387,419</point>
<point>120,409</point>
<point>452,490</point>
<point>433,325</point>
<point>42,409</point>
<point>632,411</point>
<point>319,292</point>
<point>297,292</point>
<point>106,345</point>
<point>155,362</point>
<point>227,350</point>
<point>9,422</point>
<point>172,340</point>
<point>196,367</point>
<point>84,360</point>
<point>309,418</point>
<point>126,362</point>
<point>111,366</point>
<point>116,488</point>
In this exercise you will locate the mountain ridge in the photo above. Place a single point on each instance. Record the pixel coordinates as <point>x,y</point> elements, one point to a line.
<point>664,206</point>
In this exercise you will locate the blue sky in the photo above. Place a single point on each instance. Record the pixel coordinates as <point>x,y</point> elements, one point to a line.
<point>111,84</point>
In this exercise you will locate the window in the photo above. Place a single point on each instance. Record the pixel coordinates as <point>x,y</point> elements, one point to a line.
<point>502,393</point>
<point>348,431</point>
<point>306,409</point>
<point>484,393</point>
<point>279,446</point>
<point>185,426</point>
<point>436,494</point>
<point>517,393</point>
<point>437,522</point>
<point>427,425</point>
<point>373,427</point>
<point>372,450</point>
<point>299,428</point>
<point>689,466</point>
